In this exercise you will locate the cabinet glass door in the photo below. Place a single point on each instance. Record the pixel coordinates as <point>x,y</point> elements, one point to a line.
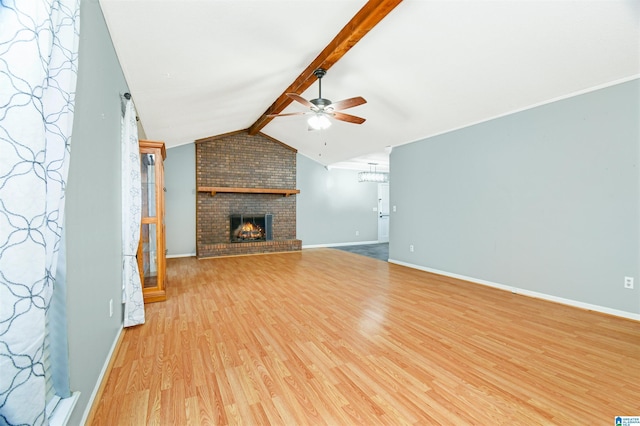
<point>149,255</point>
<point>148,177</point>
<point>148,234</point>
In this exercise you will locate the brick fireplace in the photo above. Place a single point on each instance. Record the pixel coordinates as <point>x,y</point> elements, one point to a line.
<point>239,174</point>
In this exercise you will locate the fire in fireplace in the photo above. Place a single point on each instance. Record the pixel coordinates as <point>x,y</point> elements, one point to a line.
<point>248,228</point>
<point>249,231</point>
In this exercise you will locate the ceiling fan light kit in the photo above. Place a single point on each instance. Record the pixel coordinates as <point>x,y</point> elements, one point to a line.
<point>322,109</point>
<point>318,122</point>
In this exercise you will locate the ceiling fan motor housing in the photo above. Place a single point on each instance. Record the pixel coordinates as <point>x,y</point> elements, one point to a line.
<point>321,103</point>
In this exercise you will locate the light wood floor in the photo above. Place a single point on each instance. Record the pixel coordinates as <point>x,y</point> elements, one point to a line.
<point>329,337</point>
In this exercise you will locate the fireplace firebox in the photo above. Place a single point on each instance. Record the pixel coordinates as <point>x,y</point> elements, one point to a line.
<point>246,228</point>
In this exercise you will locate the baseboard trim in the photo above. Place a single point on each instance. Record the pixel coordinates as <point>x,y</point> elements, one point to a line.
<point>524,292</point>
<point>171,256</point>
<point>89,412</point>
<point>356,243</point>
<point>63,409</point>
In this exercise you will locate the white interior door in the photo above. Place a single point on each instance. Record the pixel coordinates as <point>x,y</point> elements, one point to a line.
<point>383,212</point>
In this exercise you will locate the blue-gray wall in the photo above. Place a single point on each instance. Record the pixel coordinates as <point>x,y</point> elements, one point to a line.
<point>180,200</point>
<point>546,200</point>
<point>93,213</point>
<point>333,205</point>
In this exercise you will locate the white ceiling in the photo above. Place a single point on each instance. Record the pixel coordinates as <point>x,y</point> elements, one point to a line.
<point>199,68</point>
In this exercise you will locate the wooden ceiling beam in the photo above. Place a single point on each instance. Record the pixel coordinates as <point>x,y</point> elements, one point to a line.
<point>368,17</point>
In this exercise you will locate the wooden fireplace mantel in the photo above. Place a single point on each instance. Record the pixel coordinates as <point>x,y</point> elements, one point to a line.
<point>215,189</point>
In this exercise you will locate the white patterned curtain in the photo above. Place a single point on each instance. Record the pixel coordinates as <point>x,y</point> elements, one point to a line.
<point>38,70</point>
<point>131,217</point>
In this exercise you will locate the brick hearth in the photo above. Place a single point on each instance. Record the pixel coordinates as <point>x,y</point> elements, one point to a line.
<point>239,160</point>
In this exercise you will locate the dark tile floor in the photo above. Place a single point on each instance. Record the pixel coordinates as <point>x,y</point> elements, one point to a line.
<point>377,251</point>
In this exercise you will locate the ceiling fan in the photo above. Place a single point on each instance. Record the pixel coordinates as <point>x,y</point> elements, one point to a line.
<point>321,108</point>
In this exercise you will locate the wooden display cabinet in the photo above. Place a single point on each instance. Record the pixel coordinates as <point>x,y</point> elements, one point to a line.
<point>151,251</point>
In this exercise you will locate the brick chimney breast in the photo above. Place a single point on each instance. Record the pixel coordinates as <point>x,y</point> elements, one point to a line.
<point>239,160</point>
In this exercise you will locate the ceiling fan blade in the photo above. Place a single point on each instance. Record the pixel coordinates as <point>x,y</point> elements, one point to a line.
<point>287,114</point>
<point>300,99</point>
<point>348,118</point>
<point>348,103</point>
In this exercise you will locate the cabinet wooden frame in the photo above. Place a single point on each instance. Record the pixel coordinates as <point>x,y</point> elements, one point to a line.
<point>157,292</point>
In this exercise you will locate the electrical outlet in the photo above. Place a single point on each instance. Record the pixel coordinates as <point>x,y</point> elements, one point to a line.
<point>357,233</point>
<point>110,308</point>
<point>394,208</point>
<point>411,248</point>
<point>628,282</point>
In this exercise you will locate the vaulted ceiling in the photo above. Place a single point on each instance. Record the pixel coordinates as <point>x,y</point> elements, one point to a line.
<point>199,68</point>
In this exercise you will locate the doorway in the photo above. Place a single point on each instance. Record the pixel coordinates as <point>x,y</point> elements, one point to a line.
<point>383,212</point>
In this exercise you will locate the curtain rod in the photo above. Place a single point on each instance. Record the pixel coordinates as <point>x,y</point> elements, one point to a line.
<point>127,96</point>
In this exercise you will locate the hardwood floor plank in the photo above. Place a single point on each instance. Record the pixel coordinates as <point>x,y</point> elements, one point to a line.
<point>284,412</point>
<point>192,411</point>
<point>154,408</point>
<point>172,406</point>
<point>328,337</point>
